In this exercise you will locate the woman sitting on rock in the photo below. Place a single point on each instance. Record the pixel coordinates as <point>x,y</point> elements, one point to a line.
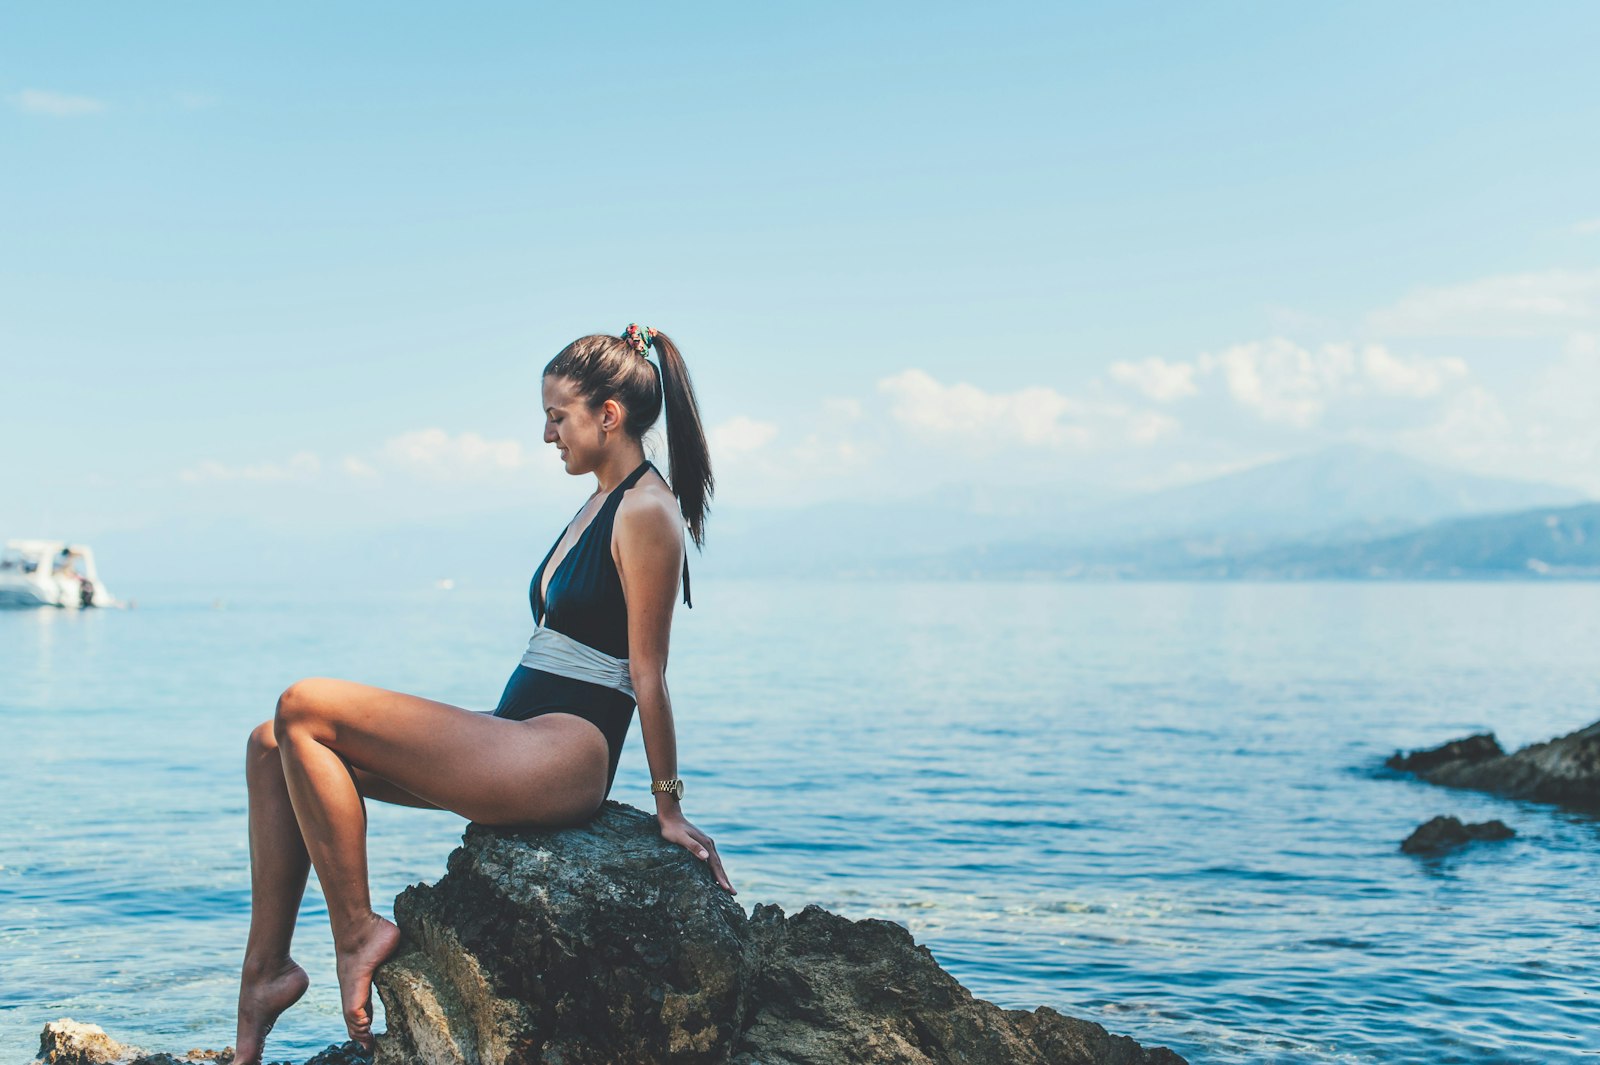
<point>602,600</point>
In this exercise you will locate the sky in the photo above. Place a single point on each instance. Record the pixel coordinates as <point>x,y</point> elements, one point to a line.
<point>287,265</point>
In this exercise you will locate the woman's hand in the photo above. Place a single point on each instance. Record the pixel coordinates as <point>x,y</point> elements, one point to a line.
<point>677,829</point>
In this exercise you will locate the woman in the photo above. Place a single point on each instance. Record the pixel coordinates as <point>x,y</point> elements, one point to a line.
<point>547,755</point>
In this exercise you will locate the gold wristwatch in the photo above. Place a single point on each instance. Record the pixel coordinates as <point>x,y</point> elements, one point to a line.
<point>673,786</point>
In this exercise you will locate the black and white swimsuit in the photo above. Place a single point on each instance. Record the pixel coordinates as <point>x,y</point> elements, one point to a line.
<point>577,659</point>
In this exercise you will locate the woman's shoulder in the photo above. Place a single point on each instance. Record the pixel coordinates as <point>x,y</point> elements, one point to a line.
<point>649,509</point>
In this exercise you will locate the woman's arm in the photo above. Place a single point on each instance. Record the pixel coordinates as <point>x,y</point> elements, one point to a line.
<point>649,549</point>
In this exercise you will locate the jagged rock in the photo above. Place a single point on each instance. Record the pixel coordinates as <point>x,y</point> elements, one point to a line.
<point>1442,833</point>
<point>604,943</point>
<point>830,990</point>
<point>1469,750</point>
<point>1565,770</point>
<point>66,1042</point>
<point>346,1053</point>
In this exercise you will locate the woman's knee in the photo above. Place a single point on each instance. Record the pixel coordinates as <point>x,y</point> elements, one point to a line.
<point>263,741</point>
<point>296,706</point>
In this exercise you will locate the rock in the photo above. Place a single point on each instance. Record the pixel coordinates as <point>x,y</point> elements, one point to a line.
<point>830,990</point>
<point>1472,749</point>
<point>1442,833</point>
<point>1565,770</point>
<point>604,943</point>
<point>346,1053</point>
<point>66,1042</point>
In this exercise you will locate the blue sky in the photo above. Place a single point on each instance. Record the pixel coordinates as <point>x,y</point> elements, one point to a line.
<point>303,263</point>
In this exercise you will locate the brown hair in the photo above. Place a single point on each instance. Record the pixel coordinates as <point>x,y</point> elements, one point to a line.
<point>602,367</point>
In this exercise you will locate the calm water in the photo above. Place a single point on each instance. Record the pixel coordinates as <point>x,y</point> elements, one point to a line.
<point>1152,805</point>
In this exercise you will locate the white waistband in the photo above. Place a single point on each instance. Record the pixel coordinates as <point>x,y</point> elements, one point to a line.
<point>556,652</point>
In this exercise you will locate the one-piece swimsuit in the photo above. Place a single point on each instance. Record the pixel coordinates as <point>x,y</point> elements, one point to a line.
<point>584,602</point>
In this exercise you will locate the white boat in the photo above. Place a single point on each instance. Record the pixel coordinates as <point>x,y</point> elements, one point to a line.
<point>50,573</point>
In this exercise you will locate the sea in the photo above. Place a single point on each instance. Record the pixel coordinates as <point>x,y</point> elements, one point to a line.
<point>1161,807</point>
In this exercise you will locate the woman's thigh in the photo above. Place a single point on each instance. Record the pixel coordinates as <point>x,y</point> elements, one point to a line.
<point>546,770</point>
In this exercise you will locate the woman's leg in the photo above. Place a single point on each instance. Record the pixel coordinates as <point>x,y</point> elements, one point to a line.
<point>270,981</point>
<point>547,770</point>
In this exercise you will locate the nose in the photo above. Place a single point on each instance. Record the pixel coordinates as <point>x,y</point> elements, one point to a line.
<point>549,433</point>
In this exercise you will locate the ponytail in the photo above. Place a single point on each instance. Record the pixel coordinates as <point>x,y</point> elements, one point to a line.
<point>688,457</point>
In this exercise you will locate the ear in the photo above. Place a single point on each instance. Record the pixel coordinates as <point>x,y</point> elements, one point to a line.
<point>611,415</point>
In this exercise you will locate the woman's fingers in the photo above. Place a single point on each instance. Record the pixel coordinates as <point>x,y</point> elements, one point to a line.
<point>703,847</point>
<point>715,860</point>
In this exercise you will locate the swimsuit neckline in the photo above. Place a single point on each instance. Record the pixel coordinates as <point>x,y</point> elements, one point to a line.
<point>543,584</point>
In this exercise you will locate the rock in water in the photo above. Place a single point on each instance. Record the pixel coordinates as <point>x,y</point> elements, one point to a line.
<point>1565,770</point>
<point>830,990</point>
<point>66,1042</point>
<point>605,943</point>
<point>1444,832</point>
<point>1472,749</point>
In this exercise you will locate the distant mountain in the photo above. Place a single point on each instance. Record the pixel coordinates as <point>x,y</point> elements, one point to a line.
<point>1340,495</point>
<point>1344,511</point>
<point>1341,492</point>
<point>1543,542</point>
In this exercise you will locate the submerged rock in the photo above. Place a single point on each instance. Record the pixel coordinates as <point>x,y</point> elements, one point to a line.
<point>605,943</point>
<point>1565,770</point>
<point>1442,833</point>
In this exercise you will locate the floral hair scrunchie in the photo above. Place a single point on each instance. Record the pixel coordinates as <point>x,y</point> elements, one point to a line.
<point>641,339</point>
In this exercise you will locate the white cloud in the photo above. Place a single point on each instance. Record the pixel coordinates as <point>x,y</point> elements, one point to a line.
<point>741,434</point>
<point>1288,384</point>
<point>428,454</point>
<point>1146,427</point>
<point>436,453</point>
<point>1158,379</point>
<point>302,464</point>
<point>54,104</point>
<point>1417,377</point>
<point>1279,380</point>
<point>931,408</point>
<point>1532,304</point>
<point>1587,226</point>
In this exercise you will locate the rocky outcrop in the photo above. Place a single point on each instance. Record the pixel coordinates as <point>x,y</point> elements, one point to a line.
<point>827,989</point>
<point>67,1042</point>
<point>1442,833</point>
<point>1565,770</point>
<point>1468,751</point>
<point>605,944</point>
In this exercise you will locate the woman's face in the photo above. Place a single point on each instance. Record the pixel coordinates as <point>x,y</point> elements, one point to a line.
<point>578,431</point>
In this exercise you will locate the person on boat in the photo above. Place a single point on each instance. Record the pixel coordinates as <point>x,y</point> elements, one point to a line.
<point>602,601</point>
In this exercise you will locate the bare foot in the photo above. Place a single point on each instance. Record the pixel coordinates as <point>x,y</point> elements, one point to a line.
<point>356,961</point>
<point>263,995</point>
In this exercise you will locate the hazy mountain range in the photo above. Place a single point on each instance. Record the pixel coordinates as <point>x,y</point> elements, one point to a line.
<point>1345,512</point>
<point>1276,519</point>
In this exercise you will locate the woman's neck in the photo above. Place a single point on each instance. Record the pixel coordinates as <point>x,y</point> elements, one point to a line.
<point>613,470</point>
